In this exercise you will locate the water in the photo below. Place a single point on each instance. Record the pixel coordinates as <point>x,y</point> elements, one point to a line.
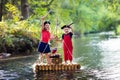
<point>19,69</point>
<point>98,54</point>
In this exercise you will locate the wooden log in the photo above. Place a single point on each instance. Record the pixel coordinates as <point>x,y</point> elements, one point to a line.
<point>40,67</point>
<point>36,68</point>
<point>50,67</point>
<point>46,67</point>
<point>63,67</point>
<point>66,68</point>
<point>69,67</point>
<point>72,67</point>
<point>43,67</point>
<point>56,67</point>
<point>78,66</point>
<point>60,67</point>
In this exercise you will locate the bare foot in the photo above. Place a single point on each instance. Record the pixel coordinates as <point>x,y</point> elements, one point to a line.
<point>71,63</point>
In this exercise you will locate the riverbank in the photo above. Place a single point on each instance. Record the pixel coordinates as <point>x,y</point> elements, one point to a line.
<point>20,56</point>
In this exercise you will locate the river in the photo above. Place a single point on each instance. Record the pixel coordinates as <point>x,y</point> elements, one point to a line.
<point>98,54</point>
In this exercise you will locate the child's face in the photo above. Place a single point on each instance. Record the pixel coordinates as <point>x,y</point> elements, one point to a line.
<point>47,26</point>
<point>66,30</point>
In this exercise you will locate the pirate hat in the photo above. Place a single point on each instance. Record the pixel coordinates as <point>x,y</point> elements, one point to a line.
<point>65,26</point>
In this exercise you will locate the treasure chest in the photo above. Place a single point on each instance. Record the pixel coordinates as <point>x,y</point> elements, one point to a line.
<point>56,59</point>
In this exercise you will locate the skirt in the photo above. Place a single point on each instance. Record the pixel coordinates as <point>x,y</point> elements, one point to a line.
<point>43,47</point>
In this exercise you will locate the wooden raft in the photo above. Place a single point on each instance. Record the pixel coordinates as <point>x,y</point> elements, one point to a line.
<point>58,67</point>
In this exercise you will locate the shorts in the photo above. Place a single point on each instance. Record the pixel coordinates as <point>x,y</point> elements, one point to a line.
<point>43,47</point>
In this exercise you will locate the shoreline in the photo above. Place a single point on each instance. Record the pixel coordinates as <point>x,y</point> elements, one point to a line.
<point>17,57</point>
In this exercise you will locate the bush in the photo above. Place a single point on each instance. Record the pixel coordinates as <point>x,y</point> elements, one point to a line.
<point>19,37</point>
<point>118,29</point>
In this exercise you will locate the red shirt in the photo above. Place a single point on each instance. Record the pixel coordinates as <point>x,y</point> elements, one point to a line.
<point>45,37</point>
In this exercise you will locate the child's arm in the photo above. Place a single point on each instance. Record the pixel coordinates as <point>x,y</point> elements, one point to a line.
<point>42,19</point>
<point>52,37</point>
<point>57,39</point>
<point>71,29</point>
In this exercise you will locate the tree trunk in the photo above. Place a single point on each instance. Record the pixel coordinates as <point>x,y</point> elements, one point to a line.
<point>1,10</point>
<point>24,9</point>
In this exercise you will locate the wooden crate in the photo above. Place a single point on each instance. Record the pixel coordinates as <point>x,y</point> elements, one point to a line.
<point>57,60</point>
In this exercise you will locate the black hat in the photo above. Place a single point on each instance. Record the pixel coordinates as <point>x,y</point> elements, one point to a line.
<point>65,26</point>
<point>46,22</point>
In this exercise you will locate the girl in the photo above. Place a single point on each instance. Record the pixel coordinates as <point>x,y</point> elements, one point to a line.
<point>43,46</point>
<point>67,43</point>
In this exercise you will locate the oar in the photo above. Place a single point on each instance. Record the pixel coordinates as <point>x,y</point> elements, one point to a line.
<point>46,14</point>
<point>56,26</point>
<point>70,24</point>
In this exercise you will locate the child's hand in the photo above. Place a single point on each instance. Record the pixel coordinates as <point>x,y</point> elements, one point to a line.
<point>43,17</point>
<point>70,27</point>
<point>56,37</point>
<point>52,36</point>
<point>46,15</point>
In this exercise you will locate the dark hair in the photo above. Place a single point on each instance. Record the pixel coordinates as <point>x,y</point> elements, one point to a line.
<point>65,26</point>
<point>46,22</point>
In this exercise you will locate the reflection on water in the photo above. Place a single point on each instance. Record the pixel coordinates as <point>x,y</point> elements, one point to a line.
<point>7,75</point>
<point>19,69</point>
<point>64,75</point>
<point>98,55</point>
<point>56,75</point>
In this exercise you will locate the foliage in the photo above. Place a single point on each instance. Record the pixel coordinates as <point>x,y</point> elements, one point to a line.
<point>13,11</point>
<point>118,29</point>
<point>18,37</point>
<point>87,15</point>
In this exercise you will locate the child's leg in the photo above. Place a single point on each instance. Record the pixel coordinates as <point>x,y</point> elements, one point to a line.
<point>65,54</point>
<point>70,56</point>
<point>41,58</point>
<point>47,57</point>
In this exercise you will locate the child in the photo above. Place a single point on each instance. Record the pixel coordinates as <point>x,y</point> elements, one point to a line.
<point>43,46</point>
<point>67,43</point>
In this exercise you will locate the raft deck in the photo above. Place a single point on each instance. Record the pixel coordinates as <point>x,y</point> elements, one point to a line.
<point>56,67</point>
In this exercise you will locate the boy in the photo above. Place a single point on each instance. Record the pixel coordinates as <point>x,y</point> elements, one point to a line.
<point>67,43</point>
